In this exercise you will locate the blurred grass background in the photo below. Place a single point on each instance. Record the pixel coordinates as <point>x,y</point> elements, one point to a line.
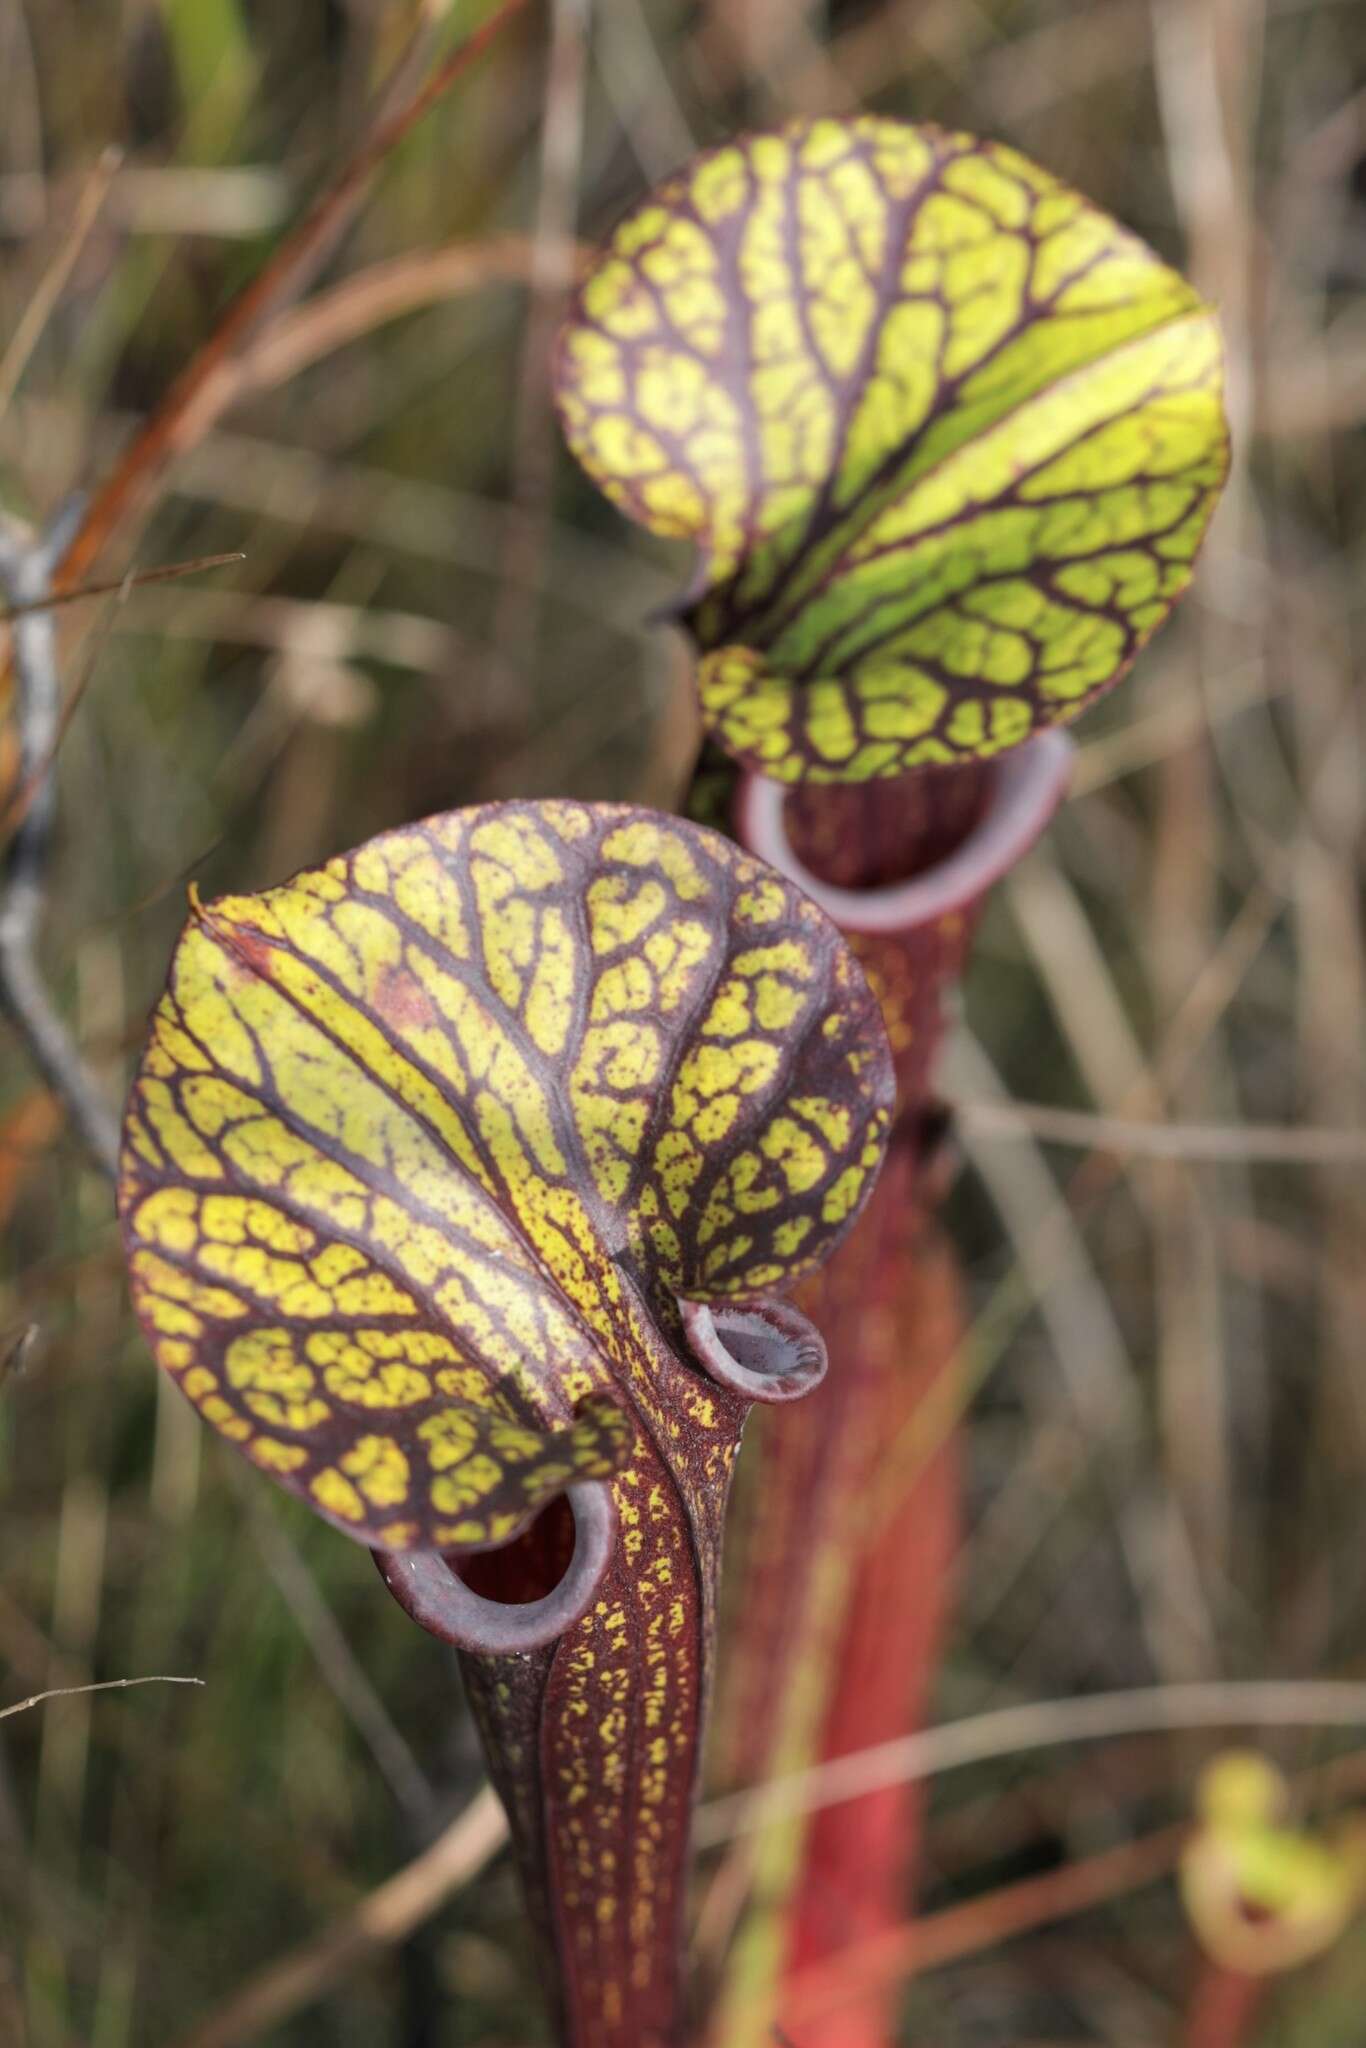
<point>1168,1431</point>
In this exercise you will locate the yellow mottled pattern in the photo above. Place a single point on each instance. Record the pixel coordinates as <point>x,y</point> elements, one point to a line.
<point>947,437</point>
<point>595,1750</point>
<point>621,1720</point>
<point>422,1144</point>
<point>619,1747</point>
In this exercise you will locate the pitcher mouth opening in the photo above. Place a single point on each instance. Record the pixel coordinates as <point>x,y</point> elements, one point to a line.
<point>1026,787</point>
<point>765,1348</point>
<point>429,1586</point>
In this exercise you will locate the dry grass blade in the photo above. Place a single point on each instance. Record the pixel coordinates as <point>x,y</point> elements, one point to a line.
<point>1211,1392</point>
<point>40,307</point>
<point>35,782</point>
<point>386,291</point>
<point>1099,1373</point>
<point>1080,983</point>
<point>191,405</point>
<point>1288,1144</point>
<point>337,1661</point>
<point>532,453</point>
<point>641,90</point>
<point>387,1916</point>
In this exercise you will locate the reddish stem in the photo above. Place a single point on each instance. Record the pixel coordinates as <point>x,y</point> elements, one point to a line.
<point>1223,2009</point>
<point>904,868</point>
<point>859,1857</point>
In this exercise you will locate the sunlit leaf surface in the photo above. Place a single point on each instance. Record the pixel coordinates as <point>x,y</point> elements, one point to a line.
<point>946,436</point>
<point>424,1145</point>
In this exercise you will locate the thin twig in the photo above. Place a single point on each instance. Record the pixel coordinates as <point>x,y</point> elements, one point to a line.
<point>63,1692</point>
<point>981,1924</point>
<point>1035,1724</point>
<point>27,569</point>
<point>166,572</point>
